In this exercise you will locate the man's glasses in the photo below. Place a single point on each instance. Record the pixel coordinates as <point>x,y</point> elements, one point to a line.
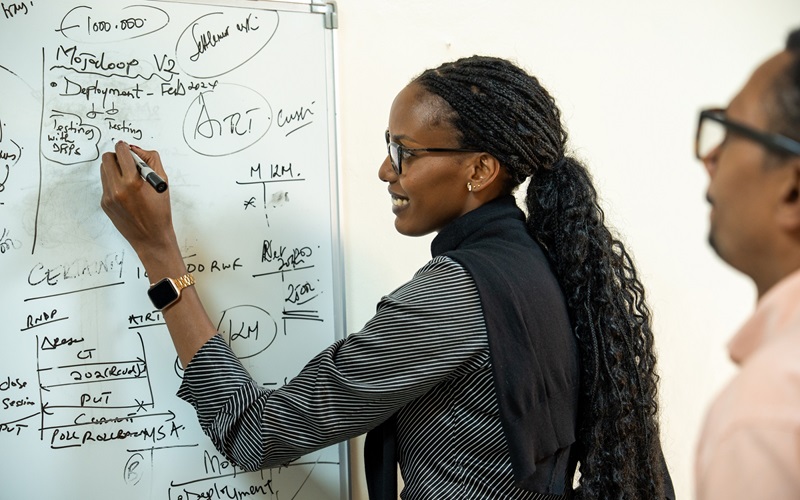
<point>398,152</point>
<point>714,126</point>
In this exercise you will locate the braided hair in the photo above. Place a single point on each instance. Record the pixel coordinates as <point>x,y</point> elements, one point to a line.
<point>498,108</point>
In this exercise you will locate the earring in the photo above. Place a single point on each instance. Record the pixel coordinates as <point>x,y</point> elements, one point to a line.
<point>469,187</point>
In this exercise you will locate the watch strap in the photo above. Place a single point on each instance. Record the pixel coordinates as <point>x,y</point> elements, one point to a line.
<point>184,281</point>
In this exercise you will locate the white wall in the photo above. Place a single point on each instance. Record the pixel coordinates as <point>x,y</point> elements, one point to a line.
<point>630,77</point>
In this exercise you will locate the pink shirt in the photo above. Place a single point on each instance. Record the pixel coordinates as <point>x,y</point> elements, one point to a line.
<point>750,444</point>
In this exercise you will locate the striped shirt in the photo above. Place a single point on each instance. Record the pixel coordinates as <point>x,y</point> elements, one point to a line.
<point>424,355</point>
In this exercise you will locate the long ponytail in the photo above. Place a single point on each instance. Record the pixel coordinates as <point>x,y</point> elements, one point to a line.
<point>618,427</point>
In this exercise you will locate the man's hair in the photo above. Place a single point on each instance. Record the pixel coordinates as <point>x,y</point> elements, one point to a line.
<point>786,93</point>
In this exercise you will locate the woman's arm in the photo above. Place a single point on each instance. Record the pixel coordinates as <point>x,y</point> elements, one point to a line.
<point>427,332</point>
<point>144,218</point>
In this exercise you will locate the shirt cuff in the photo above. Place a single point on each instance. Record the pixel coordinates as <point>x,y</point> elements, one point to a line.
<point>213,376</point>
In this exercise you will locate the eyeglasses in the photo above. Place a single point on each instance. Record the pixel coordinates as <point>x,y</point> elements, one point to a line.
<point>398,152</point>
<point>713,127</point>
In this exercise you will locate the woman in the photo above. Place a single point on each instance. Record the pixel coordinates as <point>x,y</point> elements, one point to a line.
<point>521,349</point>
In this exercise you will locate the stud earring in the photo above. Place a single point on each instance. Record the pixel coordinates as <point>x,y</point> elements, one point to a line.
<point>469,187</point>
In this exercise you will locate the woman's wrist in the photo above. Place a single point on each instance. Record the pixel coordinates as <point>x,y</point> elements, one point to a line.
<point>162,262</point>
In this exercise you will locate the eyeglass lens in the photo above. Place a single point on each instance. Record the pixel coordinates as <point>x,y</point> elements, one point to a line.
<point>711,134</point>
<point>394,153</point>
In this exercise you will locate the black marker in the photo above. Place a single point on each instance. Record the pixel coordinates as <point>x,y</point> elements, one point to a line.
<point>148,174</point>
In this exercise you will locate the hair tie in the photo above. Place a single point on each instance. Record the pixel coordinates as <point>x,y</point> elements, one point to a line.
<point>559,163</point>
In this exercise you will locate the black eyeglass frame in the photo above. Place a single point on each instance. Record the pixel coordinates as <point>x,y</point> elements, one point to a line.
<point>401,150</point>
<point>776,142</point>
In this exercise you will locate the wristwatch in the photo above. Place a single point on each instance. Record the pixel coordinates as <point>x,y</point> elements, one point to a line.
<point>166,292</point>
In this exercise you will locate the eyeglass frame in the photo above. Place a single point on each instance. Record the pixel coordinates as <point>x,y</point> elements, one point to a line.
<point>398,169</point>
<point>777,142</point>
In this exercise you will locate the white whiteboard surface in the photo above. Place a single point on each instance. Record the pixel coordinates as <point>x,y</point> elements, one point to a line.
<point>239,100</point>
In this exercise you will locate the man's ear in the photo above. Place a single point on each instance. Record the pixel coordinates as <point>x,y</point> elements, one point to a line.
<point>486,173</point>
<point>789,209</point>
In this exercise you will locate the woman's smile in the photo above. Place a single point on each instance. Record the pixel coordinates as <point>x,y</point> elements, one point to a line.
<point>398,202</point>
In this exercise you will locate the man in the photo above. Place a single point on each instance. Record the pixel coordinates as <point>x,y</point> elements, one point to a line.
<point>750,444</point>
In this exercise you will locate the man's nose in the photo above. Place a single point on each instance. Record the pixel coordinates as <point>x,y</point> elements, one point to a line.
<point>710,161</point>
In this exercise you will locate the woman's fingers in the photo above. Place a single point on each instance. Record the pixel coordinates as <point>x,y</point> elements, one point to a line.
<point>152,158</point>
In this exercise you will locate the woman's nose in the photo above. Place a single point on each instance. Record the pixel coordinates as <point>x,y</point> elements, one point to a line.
<point>385,172</point>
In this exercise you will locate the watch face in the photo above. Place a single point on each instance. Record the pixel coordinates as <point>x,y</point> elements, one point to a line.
<point>163,293</point>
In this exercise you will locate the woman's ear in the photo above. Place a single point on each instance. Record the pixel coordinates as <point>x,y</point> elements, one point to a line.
<point>486,174</point>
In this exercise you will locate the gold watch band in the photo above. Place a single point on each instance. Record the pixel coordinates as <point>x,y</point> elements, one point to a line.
<point>184,281</point>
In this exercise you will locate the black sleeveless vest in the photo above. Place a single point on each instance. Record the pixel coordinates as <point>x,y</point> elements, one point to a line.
<point>533,351</point>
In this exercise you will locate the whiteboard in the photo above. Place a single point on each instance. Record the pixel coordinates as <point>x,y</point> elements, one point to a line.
<point>238,98</point>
